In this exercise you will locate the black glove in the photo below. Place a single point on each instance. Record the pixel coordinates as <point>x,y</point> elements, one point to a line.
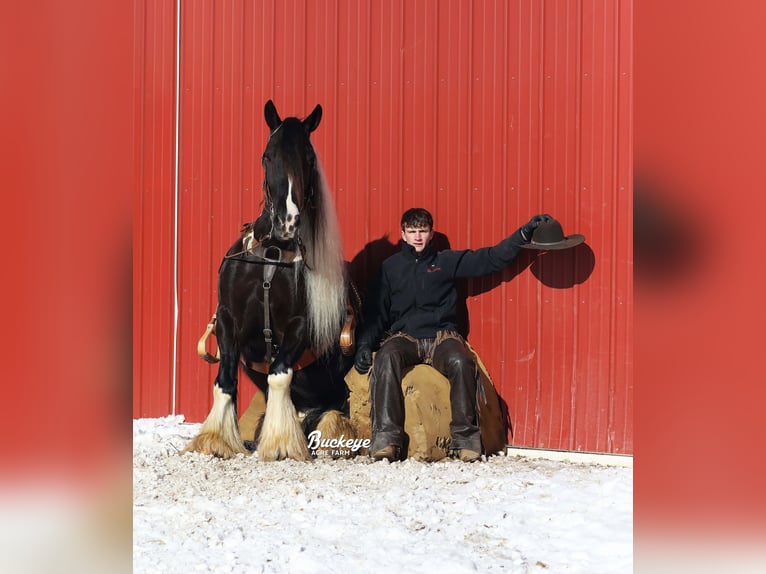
<point>529,228</point>
<point>363,359</point>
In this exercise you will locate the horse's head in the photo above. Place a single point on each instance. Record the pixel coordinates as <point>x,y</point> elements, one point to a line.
<point>289,162</point>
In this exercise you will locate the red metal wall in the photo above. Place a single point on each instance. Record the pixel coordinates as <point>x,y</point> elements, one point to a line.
<point>154,208</point>
<point>483,112</point>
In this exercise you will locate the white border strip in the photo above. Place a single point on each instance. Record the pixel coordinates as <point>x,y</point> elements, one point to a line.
<point>571,456</point>
<point>175,205</point>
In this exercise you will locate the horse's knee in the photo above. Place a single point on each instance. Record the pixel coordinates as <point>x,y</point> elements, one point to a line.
<point>280,381</point>
<point>279,367</point>
<point>226,379</point>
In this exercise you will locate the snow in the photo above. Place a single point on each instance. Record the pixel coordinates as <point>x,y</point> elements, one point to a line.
<point>196,513</point>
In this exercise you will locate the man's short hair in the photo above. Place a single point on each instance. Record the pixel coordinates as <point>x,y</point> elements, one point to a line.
<point>417,218</point>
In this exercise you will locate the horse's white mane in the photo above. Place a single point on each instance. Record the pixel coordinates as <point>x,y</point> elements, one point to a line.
<point>325,276</point>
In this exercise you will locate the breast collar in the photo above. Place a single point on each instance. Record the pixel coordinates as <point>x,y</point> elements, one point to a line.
<point>256,251</point>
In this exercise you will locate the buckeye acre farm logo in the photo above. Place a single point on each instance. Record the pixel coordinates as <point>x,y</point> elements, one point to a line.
<point>335,447</point>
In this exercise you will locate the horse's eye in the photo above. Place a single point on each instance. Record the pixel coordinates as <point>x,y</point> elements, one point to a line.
<point>265,159</point>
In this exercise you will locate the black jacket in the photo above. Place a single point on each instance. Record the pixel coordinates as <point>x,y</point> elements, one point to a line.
<point>415,292</point>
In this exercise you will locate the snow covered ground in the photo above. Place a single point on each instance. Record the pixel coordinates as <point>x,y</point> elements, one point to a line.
<point>195,513</point>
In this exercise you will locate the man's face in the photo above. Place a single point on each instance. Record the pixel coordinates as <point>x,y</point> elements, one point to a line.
<point>417,237</point>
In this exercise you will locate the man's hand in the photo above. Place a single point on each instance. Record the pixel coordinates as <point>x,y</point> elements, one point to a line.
<point>363,359</point>
<point>529,228</point>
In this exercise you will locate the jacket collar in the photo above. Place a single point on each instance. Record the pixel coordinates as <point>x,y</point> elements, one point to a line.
<point>409,251</point>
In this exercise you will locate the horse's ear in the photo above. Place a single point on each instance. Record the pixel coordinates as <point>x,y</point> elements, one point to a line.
<point>312,122</point>
<point>272,117</point>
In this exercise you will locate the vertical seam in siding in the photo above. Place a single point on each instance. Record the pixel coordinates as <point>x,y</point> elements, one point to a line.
<point>241,124</point>
<point>402,75</point>
<point>368,116</point>
<point>435,110</point>
<point>626,43</point>
<point>335,97</point>
<point>539,288</point>
<point>304,35</point>
<point>370,98</point>
<point>505,286</point>
<point>573,427</point>
<point>176,130</point>
<point>469,128</point>
<point>613,274</point>
<point>139,146</point>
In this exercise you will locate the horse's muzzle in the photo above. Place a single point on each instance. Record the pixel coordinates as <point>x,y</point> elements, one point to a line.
<point>286,230</point>
<point>285,234</point>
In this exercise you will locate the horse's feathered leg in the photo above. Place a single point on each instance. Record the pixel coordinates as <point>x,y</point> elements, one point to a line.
<point>333,425</point>
<point>282,434</point>
<point>219,434</point>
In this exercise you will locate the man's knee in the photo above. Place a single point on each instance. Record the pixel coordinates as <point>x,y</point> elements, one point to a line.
<point>459,362</point>
<point>462,361</point>
<point>392,352</point>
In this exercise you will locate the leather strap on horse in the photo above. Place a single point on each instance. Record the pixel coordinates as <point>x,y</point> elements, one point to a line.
<point>302,362</point>
<point>347,343</point>
<point>202,343</point>
<point>268,275</point>
<point>253,250</point>
<point>348,331</point>
<point>271,258</point>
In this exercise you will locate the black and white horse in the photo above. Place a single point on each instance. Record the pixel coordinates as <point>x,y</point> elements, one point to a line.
<point>282,302</point>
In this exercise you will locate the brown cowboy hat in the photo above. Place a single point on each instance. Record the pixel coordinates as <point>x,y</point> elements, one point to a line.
<point>550,235</point>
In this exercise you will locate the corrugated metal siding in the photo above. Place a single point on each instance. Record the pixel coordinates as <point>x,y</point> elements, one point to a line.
<point>483,112</point>
<point>154,211</point>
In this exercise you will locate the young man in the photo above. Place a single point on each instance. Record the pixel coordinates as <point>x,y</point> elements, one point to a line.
<point>415,301</point>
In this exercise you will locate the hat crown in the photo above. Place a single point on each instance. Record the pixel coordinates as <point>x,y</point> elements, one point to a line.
<point>548,233</point>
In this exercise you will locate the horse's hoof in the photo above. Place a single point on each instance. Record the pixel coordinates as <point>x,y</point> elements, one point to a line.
<point>271,451</point>
<point>213,444</point>
<point>273,456</point>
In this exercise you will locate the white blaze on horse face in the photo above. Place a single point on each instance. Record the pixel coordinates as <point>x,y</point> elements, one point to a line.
<point>293,212</point>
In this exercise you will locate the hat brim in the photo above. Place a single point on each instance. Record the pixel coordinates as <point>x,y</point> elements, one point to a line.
<point>566,243</point>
